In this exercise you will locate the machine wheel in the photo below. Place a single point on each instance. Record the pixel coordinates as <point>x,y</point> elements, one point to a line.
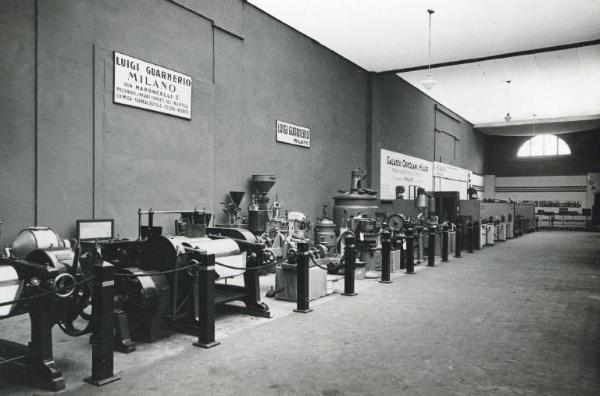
<point>395,222</point>
<point>78,321</point>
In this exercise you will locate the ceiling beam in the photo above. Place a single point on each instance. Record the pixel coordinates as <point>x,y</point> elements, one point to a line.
<point>492,57</point>
<point>537,121</point>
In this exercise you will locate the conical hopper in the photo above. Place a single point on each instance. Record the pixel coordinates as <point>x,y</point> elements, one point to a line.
<point>236,197</point>
<point>263,183</point>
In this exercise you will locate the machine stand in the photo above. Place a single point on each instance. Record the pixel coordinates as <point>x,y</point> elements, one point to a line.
<point>39,360</point>
<point>252,301</point>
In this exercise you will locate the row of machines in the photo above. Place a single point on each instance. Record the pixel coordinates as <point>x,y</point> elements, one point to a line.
<point>159,288</point>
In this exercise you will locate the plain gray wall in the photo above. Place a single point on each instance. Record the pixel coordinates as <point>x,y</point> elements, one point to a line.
<point>98,159</point>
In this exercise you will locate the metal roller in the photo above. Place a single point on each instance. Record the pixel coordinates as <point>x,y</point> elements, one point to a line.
<point>10,288</point>
<point>165,253</point>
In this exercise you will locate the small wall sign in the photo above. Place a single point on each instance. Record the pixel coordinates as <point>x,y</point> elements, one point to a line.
<point>293,134</point>
<point>147,86</point>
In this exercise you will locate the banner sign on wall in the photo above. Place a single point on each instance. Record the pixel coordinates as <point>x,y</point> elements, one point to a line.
<point>147,86</point>
<point>293,134</point>
<point>448,171</point>
<point>403,170</point>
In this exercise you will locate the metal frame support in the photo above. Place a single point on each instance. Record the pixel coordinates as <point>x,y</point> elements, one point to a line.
<point>410,252</point>
<point>302,284</point>
<point>386,256</point>
<point>206,301</point>
<point>102,324</point>
<point>349,265</point>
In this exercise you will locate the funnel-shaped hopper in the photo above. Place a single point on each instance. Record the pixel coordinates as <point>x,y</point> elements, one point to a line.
<point>236,197</point>
<point>263,183</point>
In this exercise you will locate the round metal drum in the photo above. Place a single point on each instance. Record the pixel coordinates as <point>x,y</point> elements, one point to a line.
<point>32,238</point>
<point>165,252</point>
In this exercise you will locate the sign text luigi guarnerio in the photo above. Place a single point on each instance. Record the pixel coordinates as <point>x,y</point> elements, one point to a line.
<point>151,87</point>
<point>293,134</point>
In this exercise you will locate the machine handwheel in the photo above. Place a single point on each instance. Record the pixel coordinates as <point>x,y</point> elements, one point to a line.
<point>78,321</point>
<point>395,222</point>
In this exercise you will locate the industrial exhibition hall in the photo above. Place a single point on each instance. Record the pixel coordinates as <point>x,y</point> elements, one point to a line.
<point>299,197</point>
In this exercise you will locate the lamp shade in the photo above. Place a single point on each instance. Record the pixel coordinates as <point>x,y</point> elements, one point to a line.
<point>429,82</point>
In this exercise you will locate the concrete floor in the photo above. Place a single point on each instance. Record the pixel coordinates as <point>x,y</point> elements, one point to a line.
<point>522,317</point>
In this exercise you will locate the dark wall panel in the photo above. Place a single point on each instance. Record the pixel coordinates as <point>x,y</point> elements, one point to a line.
<point>501,156</point>
<point>17,116</point>
<point>230,173</point>
<point>65,113</point>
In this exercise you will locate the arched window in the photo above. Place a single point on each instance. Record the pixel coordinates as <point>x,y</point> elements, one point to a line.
<point>544,146</point>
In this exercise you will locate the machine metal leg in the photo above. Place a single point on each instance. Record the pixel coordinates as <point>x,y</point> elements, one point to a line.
<point>40,362</point>
<point>252,301</point>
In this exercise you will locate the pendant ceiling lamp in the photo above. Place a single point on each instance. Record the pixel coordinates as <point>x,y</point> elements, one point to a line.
<point>429,81</point>
<point>507,117</point>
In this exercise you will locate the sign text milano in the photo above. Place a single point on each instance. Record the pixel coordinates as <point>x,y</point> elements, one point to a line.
<point>147,86</point>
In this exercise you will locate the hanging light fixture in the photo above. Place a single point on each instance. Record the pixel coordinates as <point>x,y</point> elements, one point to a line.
<point>507,117</point>
<point>429,81</point>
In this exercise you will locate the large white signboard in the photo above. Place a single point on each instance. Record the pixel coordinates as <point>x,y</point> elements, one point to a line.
<point>293,134</point>
<point>151,87</point>
<point>403,170</point>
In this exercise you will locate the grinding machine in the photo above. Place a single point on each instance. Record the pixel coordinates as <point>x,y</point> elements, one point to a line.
<point>354,213</point>
<point>156,288</point>
<point>258,211</point>
<point>44,278</point>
